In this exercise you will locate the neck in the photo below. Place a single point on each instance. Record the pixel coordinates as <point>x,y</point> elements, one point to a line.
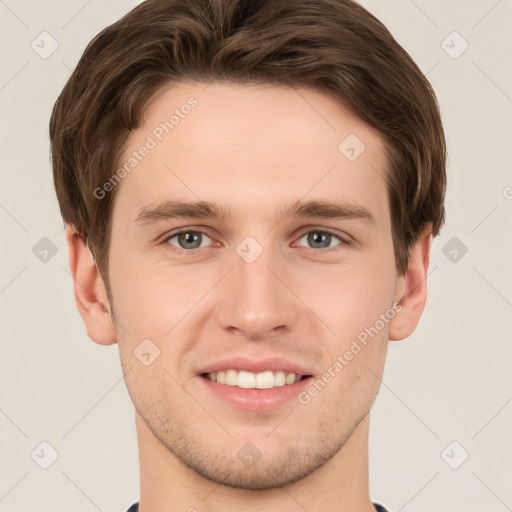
<point>166,485</point>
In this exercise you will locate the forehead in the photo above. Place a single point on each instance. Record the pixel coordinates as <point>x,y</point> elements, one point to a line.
<point>246,146</point>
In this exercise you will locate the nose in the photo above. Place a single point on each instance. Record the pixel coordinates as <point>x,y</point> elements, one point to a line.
<point>256,301</point>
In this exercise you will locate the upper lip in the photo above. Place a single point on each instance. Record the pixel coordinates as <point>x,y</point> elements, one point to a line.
<point>256,365</point>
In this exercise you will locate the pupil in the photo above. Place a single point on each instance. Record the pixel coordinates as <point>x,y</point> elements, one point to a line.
<point>189,238</point>
<point>318,238</point>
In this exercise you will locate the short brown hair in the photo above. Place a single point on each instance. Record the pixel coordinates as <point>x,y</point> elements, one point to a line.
<point>332,46</point>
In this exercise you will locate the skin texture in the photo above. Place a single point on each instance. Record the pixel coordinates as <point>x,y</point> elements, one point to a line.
<point>251,150</point>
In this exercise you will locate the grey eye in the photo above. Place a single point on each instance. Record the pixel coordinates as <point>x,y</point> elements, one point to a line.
<point>188,240</point>
<point>319,239</point>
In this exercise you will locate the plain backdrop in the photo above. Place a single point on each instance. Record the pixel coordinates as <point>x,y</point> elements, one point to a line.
<point>441,426</point>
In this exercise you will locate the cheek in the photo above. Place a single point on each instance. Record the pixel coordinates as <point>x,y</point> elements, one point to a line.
<point>152,388</point>
<point>348,298</point>
<point>150,300</point>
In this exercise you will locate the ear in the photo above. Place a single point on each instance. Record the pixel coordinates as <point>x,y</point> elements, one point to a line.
<point>90,293</point>
<point>411,290</point>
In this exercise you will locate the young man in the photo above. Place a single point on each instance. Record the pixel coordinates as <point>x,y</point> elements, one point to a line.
<point>250,190</point>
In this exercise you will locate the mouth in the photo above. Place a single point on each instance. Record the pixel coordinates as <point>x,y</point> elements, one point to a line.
<point>263,391</point>
<point>267,379</point>
<point>252,384</point>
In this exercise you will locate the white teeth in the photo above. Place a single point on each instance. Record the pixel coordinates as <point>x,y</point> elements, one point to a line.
<point>264,380</point>
<point>250,380</point>
<point>290,378</point>
<point>279,378</point>
<point>231,378</point>
<point>245,380</point>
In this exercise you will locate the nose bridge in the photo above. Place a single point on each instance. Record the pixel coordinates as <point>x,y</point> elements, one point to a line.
<point>256,302</point>
<point>255,281</point>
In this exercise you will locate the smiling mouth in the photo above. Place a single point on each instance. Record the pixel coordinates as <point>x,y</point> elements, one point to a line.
<point>249,380</point>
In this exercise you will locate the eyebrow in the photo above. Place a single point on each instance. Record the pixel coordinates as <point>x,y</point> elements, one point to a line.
<point>173,209</point>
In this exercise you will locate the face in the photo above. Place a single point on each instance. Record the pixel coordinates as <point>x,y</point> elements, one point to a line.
<point>274,277</point>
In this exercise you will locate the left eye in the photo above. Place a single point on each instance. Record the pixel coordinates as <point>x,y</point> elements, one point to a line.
<point>188,240</point>
<point>320,239</point>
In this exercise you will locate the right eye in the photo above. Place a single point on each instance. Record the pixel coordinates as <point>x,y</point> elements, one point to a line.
<point>187,239</point>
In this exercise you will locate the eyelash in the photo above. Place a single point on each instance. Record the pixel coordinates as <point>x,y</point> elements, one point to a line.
<point>344,240</point>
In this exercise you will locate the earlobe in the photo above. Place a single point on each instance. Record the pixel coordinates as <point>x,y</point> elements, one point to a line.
<point>90,294</point>
<point>412,290</point>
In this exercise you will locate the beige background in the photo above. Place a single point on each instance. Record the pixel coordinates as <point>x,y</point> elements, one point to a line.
<point>451,381</point>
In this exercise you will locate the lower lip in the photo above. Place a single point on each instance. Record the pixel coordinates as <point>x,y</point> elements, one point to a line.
<point>256,399</point>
